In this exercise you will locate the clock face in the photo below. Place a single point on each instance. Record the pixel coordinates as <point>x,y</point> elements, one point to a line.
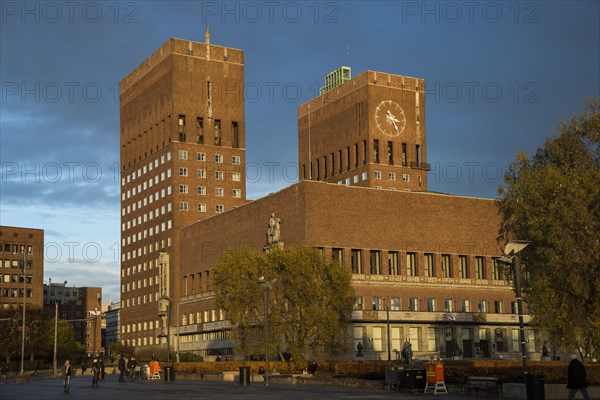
<point>390,118</point>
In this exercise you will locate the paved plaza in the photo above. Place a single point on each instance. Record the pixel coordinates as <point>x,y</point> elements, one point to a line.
<point>48,388</point>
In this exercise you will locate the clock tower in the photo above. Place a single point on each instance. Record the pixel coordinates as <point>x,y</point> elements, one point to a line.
<point>366,131</point>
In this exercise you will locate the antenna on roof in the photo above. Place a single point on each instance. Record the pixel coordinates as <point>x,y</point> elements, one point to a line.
<point>207,35</point>
<point>347,55</point>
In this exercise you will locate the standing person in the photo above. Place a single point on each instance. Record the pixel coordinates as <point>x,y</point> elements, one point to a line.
<point>83,367</point>
<point>95,373</point>
<point>3,373</point>
<point>67,374</point>
<point>122,368</point>
<point>576,378</point>
<point>101,366</point>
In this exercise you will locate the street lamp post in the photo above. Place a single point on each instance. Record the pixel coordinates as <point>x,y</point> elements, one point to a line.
<point>451,319</point>
<point>266,286</point>
<point>512,260</point>
<point>55,364</point>
<point>95,313</point>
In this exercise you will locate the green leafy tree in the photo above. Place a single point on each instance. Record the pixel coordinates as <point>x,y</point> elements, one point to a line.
<point>553,199</point>
<point>310,301</point>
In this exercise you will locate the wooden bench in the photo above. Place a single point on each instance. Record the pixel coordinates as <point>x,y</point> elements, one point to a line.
<point>483,383</point>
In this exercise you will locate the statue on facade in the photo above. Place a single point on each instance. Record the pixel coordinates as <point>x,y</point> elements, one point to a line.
<point>274,230</point>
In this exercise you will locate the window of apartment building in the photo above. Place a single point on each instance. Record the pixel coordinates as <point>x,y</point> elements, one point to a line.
<point>181,126</point>
<point>183,171</point>
<point>498,270</point>
<point>376,151</point>
<point>219,192</point>
<point>392,176</point>
<point>418,154</point>
<point>237,193</point>
<point>336,255</point>
<point>200,131</point>
<point>201,190</point>
<point>358,304</point>
<point>235,135</point>
<point>348,158</point>
<point>479,267</point>
<point>431,305</point>
<point>375,258</point>
<point>463,266</point>
<point>183,206</point>
<point>498,307</point>
<point>413,304</point>
<point>377,303</point>
<point>356,261</point>
<point>393,263</point>
<point>465,305</point>
<point>481,306</point>
<point>395,304</point>
<point>219,158</point>
<point>219,208</point>
<point>514,307</point>
<point>448,305</point>
<point>377,174</point>
<point>515,341</point>
<point>219,175</point>
<point>428,267</point>
<point>340,163</point>
<point>411,264</point>
<point>183,154</point>
<point>201,173</point>
<point>404,154</point>
<point>390,153</point>
<point>183,188</point>
<point>405,178</point>
<point>236,177</point>
<point>236,160</point>
<point>217,132</point>
<point>201,156</point>
<point>446,266</point>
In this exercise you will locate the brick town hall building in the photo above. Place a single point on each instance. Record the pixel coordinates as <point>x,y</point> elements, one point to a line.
<point>362,199</point>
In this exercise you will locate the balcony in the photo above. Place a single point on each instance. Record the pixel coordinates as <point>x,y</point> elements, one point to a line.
<point>420,165</point>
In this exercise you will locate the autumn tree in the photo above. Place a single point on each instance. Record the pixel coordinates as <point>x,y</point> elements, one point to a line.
<point>310,301</point>
<point>553,199</point>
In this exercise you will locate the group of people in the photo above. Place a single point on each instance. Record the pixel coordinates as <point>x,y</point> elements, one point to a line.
<point>127,367</point>
<point>98,372</point>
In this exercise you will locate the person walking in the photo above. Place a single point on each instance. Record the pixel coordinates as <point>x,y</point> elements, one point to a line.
<point>67,374</point>
<point>122,368</point>
<point>577,378</point>
<point>3,373</point>
<point>95,373</point>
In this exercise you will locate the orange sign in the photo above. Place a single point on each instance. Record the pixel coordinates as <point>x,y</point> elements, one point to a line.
<point>434,372</point>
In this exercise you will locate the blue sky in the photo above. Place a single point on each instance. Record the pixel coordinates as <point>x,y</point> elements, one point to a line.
<point>499,77</point>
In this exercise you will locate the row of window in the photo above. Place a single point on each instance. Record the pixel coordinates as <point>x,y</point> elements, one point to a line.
<point>16,263</point>
<point>416,264</point>
<point>217,137</point>
<point>145,169</point>
<point>14,278</point>
<point>431,305</point>
<point>201,207</point>
<point>147,249</point>
<point>201,191</point>
<point>376,175</point>
<point>201,156</point>
<point>149,232</point>
<point>16,248</point>
<point>5,292</point>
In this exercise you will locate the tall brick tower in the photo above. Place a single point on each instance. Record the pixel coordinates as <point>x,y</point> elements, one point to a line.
<point>182,160</point>
<point>367,131</point>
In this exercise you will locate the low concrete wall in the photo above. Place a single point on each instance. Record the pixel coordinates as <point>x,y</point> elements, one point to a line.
<point>553,391</point>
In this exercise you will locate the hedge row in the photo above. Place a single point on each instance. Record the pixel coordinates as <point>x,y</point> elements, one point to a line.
<point>454,371</point>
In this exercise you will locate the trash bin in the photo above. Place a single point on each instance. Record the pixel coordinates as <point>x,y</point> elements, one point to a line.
<point>534,385</point>
<point>169,374</point>
<point>412,379</point>
<point>244,376</point>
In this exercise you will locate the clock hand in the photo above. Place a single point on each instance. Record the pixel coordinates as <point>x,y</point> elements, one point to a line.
<point>393,119</point>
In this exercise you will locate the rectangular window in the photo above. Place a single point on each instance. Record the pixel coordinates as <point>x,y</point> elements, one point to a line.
<point>219,208</point>
<point>183,189</point>
<point>236,193</point>
<point>465,306</point>
<point>481,306</point>
<point>219,158</point>
<point>498,274</point>
<point>515,341</point>
<point>200,131</point>
<point>375,257</point>
<point>431,342</point>
<point>201,207</point>
<point>236,160</point>
<point>413,304</point>
<point>219,192</point>
<point>404,154</point>
<point>376,151</point>
<point>201,156</point>
<point>201,190</point>
<point>347,158</point>
<point>219,175</point>
<point>181,126</point>
<point>356,155</point>
<point>377,174</point>
<point>514,307</point>
<point>393,263</point>
<point>392,176</point>
<point>201,173</point>
<point>183,171</point>
<point>336,256</point>
<point>479,267</point>
<point>356,261</point>
<point>236,177</point>
<point>377,303</point>
<point>431,305</point>
<point>413,337</point>
<point>498,307</point>
<point>183,206</point>
<point>405,178</point>
<point>428,268</point>
<point>358,304</point>
<point>217,132</point>
<point>446,266</point>
<point>463,267</point>
<point>395,304</point>
<point>390,153</point>
<point>448,305</point>
<point>235,135</point>
<point>411,264</point>
<point>183,154</point>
